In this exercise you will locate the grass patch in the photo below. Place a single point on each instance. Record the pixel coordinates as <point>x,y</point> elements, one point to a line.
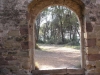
<point>73,47</point>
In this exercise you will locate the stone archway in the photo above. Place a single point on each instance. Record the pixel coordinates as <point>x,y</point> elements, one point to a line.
<point>36,6</point>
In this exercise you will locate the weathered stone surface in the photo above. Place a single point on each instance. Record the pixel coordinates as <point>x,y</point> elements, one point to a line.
<point>92,73</point>
<point>13,27</point>
<point>14,68</point>
<point>25,65</point>
<point>5,71</point>
<point>12,53</point>
<point>98,42</point>
<point>97,70</point>
<point>92,50</point>
<point>90,42</point>
<point>89,27</point>
<point>25,45</point>
<point>10,58</point>
<point>24,54</point>
<point>97,64</point>
<point>93,57</point>
<point>96,28</point>
<point>13,33</point>
<point>97,1</point>
<point>21,72</point>
<point>98,34</point>
<point>24,30</point>
<point>89,35</point>
<point>3,62</point>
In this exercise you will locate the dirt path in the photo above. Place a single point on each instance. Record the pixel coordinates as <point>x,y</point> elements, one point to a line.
<point>57,56</point>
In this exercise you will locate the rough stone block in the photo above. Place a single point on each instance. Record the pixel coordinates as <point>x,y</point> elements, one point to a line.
<point>89,66</point>
<point>12,45</point>
<point>92,50</point>
<point>98,42</point>
<point>97,70</point>
<point>14,62</point>
<point>8,45</point>
<point>89,35</point>
<point>93,57</point>
<point>96,28</point>
<point>13,33</point>
<point>90,42</point>
<point>21,72</point>
<point>9,58</point>
<point>17,45</point>
<point>97,64</point>
<point>12,53</point>
<point>24,54</point>
<point>92,73</point>
<point>14,68</point>
<point>98,35</point>
<point>25,65</point>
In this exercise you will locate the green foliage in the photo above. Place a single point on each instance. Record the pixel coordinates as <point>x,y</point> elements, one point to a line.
<point>58,25</point>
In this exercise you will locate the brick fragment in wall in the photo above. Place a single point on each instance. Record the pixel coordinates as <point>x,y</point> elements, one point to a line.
<point>90,42</point>
<point>24,30</point>
<point>89,27</point>
<point>93,57</point>
<point>25,45</point>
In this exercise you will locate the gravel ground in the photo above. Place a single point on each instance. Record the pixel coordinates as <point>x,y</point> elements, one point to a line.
<point>57,56</point>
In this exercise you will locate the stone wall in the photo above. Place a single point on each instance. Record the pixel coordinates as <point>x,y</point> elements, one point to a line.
<point>14,53</point>
<point>14,41</point>
<point>92,37</point>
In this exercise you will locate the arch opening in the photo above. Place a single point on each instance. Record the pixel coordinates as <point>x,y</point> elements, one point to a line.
<point>78,9</point>
<point>57,32</point>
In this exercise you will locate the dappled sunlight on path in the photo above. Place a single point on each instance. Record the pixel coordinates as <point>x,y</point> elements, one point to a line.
<point>57,56</point>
